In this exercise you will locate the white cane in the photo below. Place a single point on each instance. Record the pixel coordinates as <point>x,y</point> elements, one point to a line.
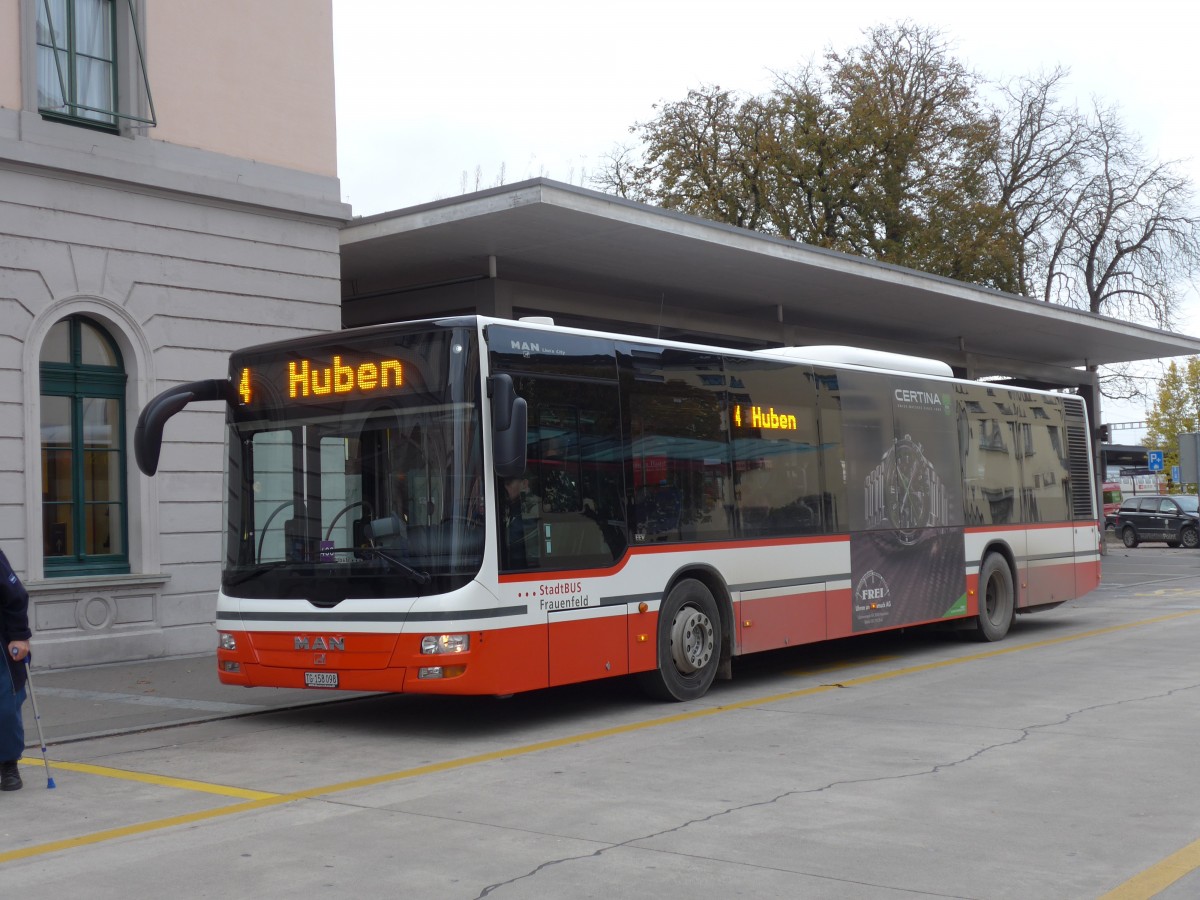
<point>37,718</point>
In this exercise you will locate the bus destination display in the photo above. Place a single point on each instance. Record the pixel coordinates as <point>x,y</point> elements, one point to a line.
<point>307,378</point>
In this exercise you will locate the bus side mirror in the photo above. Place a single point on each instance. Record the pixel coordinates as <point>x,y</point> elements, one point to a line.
<point>147,437</point>
<point>510,416</point>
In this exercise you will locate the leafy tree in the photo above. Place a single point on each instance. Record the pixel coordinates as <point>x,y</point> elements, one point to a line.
<point>881,151</point>
<point>910,113</point>
<point>1176,410</point>
<point>889,151</point>
<point>704,156</point>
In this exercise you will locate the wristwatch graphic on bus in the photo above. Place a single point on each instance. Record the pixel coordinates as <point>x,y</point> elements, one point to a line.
<point>905,492</point>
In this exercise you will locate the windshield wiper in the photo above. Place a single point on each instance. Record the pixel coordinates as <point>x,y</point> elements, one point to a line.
<point>261,570</point>
<point>398,564</point>
<point>416,575</point>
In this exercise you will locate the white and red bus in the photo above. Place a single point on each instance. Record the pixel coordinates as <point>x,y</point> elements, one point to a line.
<point>481,506</point>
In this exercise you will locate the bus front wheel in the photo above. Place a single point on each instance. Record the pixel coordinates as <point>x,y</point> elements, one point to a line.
<point>689,644</point>
<point>997,600</point>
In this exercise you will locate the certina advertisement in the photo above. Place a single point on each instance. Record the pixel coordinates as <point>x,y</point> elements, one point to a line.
<point>906,543</point>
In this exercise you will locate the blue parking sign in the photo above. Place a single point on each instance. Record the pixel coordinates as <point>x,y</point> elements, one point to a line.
<point>1175,475</point>
<point>1156,461</point>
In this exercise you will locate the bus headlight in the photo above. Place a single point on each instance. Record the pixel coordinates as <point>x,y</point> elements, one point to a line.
<point>445,643</point>
<point>227,641</point>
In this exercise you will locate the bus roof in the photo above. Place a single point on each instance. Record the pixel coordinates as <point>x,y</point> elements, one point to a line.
<point>858,356</point>
<point>855,357</point>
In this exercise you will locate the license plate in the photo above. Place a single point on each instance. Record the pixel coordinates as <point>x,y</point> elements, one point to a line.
<point>321,679</point>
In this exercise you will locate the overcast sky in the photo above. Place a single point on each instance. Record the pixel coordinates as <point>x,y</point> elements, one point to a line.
<point>428,94</point>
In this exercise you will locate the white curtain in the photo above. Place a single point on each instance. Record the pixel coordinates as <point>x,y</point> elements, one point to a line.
<point>94,57</point>
<point>86,28</point>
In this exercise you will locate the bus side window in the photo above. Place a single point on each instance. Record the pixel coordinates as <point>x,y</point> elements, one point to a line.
<point>987,442</point>
<point>834,511</point>
<point>776,449</point>
<point>679,446</point>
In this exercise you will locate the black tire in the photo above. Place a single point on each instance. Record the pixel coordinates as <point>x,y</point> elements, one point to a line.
<point>1172,544</point>
<point>997,600</point>
<point>1129,537</point>
<point>1190,538</point>
<point>689,644</point>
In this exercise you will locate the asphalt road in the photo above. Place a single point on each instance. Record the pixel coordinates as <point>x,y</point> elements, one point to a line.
<point>1059,763</point>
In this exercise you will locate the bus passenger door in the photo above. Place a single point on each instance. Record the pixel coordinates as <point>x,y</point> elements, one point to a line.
<point>564,519</point>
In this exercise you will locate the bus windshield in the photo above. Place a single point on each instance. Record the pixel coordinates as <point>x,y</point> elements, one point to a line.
<point>355,467</point>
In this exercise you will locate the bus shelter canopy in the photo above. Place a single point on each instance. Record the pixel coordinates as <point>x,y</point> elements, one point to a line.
<point>593,260</point>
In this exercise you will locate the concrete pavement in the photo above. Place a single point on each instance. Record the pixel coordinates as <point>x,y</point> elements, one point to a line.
<point>94,701</point>
<point>1058,764</point>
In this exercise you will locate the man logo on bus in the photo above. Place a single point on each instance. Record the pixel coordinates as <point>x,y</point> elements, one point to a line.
<point>528,348</point>
<point>302,642</point>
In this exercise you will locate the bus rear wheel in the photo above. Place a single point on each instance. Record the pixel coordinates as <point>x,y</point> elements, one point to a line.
<point>689,644</point>
<point>997,600</point>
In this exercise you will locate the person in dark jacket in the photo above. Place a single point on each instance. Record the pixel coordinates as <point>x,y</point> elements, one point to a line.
<point>14,637</point>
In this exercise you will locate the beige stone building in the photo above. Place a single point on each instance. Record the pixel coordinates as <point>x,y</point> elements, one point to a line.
<point>168,192</point>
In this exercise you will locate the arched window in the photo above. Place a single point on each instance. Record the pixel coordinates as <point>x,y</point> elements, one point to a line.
<point>84,518</point>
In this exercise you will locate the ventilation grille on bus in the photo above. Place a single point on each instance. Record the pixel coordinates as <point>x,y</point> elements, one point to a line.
<point>1077,450</point>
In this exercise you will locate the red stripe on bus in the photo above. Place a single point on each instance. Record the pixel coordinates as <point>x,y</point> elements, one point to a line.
<point>1032,526</point>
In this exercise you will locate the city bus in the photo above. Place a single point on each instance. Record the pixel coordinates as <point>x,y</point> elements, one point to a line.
<point>471,505</point>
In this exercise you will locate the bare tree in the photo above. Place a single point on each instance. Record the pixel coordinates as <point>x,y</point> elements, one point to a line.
<point>1131,239</point>
<point>1101,227</point>
<point>620,173</point>
<point>1038,166</point>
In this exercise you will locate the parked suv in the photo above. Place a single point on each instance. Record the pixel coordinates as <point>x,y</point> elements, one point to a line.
<point>1173,518</point>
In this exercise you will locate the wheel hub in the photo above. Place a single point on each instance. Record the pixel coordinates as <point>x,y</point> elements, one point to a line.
<point>692,640</point>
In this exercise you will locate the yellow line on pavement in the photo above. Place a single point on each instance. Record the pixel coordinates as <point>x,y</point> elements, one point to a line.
<point>140,828</point>
<point>183,784</point>
<point>1189,863</point>
<point>1159,876</point>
